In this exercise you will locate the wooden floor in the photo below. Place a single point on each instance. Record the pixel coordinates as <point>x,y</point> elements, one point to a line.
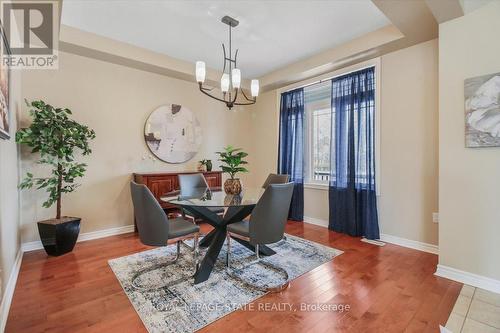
<point>388,289</point>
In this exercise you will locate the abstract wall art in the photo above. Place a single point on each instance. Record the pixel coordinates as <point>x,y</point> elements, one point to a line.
<point>5,118</point>
<point>173,133</point>
<point>482,111</point>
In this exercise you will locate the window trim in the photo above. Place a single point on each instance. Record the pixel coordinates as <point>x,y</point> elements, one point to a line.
<point>308,160</point>
<point>316,186</point>
<point>375,62</point>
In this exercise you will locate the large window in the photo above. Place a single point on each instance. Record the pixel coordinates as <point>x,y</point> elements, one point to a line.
<point>318,135</point>
<point>317,100</point>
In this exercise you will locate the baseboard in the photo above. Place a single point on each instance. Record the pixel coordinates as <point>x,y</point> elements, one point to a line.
<point>431,248</point>
<point>105,233</point>
<point>37,245</point>
<point>412,244</point>
<point>315,221</point>
<point>9,290</point>
<point>471,279</point>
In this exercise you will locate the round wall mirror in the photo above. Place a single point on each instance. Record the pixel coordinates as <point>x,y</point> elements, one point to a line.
<point>173,133</point>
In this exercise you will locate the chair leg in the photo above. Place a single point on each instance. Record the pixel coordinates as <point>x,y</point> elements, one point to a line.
<point>277,269</point>
<point>170,262</point>
<point>155,267</point>
<point>196,252</point>
<point>228,254</point>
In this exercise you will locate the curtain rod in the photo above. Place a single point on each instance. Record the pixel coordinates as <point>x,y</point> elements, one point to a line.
<point>328,78</point>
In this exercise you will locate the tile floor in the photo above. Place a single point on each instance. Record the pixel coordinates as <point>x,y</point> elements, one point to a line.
<point>476,310</point>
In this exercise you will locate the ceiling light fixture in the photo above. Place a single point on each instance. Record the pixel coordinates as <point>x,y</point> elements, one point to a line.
<point>230,82</point>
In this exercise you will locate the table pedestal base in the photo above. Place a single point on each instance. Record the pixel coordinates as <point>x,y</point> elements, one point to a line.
<point>214,240</point>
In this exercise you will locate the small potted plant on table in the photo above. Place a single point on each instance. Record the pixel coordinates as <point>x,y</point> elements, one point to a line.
<point>232,161</point>
<point>207,164</point>
<point>56,138</point>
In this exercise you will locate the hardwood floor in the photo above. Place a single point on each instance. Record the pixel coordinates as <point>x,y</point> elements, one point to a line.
<point>388,289</point>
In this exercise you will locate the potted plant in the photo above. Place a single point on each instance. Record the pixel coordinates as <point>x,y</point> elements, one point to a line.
<point>207,164</point>
<point>232,161</point>
<point>56,138</point>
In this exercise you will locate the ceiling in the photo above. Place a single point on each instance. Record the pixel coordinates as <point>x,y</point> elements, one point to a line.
<point>472,5</point>
<point>271,34</point>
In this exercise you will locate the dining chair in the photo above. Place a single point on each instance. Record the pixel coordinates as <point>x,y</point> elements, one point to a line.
<point>266,226</point>
<point>157,229</point>
<point>274,178</point>
<point>192,185</point>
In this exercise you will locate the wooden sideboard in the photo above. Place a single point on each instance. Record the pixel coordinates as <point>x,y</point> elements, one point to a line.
<point>161,183</point>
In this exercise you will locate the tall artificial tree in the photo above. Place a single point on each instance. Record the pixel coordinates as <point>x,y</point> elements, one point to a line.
<point>57,139</point>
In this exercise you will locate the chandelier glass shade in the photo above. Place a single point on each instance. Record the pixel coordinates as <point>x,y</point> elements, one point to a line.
<point>230,81</point>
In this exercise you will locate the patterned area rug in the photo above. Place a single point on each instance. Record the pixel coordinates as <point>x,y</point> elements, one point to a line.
<point>186,307</point>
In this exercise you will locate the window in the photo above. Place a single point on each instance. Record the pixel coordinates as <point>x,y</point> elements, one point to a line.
<point>317,100</point>
<point>318,136</point>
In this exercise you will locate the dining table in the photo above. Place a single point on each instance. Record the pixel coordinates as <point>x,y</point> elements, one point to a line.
<point>200,203</point>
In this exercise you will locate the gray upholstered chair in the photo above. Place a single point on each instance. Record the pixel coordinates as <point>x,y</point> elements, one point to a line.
<point>192,185</point>
<point>275,179</point>
<point>266,226</point>
<point>156,229</point>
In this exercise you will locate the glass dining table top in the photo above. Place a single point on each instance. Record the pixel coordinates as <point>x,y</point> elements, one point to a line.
<point>215,198</point>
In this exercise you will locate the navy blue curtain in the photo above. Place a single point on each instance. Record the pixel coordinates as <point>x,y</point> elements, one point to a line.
<point>291,147</point>
<point>352,195</point>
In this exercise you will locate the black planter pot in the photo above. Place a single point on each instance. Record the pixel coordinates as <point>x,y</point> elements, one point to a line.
<point>59,235</point>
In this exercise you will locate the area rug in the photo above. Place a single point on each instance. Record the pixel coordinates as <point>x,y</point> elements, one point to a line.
<point>186,307</point>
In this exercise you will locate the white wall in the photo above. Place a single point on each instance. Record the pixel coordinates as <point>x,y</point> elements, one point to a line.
<point>469,179</point>
<point>115,101</point>
<point>9,194</point>
<point>408,156</point>
<point>409,143</point>
<point>265,129</point>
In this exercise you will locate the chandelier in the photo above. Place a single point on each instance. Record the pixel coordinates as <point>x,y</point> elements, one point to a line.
<point>230,82</point>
